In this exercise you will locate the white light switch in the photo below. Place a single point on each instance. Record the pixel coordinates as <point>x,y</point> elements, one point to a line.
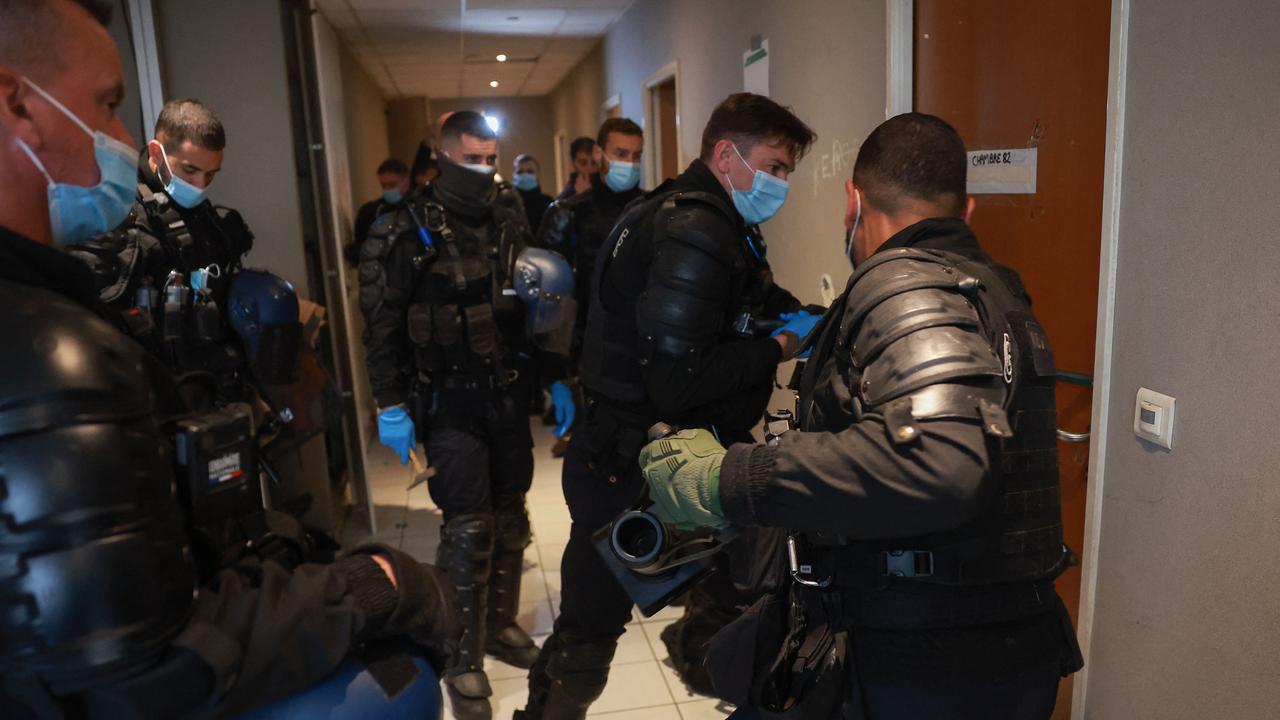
<point>1153,417</point>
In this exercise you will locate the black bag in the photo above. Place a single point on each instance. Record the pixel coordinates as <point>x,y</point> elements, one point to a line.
<point>778,661</point>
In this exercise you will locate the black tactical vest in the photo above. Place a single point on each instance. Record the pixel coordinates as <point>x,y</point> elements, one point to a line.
<point>957,337</point>
<point>464,317</point>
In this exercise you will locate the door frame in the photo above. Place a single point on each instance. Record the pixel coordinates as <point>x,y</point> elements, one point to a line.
<point>899,87</point>
<point>1117,81</point>
<point>652,129</point>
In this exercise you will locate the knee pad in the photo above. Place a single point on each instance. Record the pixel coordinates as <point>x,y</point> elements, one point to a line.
<point>466,545</point>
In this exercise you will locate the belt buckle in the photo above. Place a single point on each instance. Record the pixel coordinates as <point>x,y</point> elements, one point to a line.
<point>799,572</point>
<point>906,563</point>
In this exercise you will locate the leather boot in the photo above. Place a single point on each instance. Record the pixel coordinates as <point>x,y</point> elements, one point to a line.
<point>466,548</point>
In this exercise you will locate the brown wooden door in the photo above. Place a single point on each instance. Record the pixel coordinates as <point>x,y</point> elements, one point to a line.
<point>1033,73</point>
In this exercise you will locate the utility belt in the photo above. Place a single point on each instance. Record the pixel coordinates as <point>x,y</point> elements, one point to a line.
<point>469,382</point>
<point>913,588</point>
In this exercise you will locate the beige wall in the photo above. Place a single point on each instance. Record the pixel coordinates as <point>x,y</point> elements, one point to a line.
<point>408,123</point>
<point>526,126</point>
<point>575,106</point>
<point>244,81</point>
<point>827,63</point>
<point>366,128</point>
<point>1186,623</point>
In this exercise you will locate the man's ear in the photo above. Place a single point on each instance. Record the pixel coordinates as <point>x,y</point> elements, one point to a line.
<point>722,155</point>
<point>969,205</point>
<point>851,204</point>
<point>15,117</point>
<point>597,155</point>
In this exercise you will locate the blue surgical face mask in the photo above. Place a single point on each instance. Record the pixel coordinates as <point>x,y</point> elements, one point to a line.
<point>392,196</point>
<point>76,212</point>
<point>857,218</point>
<point>182,192</point>
<point>525,181</point>
<point>622,176</point>
<point>763,200</point>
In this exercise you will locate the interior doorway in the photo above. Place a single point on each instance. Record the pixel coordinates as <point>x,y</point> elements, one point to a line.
<point>1020,74</point>
<point>663,156</point>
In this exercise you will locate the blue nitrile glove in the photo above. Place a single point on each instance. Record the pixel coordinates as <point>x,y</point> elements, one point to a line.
<point>562,401</point>
<point>799,323</point>
<point>395,430</point>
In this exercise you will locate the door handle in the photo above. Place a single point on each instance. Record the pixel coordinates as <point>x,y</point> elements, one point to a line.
<point>1083,380</point>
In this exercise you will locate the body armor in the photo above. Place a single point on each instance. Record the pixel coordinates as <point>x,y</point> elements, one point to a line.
<point>87,496</point>
<point>145,272</point>
<point>463,313</point>
<point>926,334</point>
<point>629,325</point>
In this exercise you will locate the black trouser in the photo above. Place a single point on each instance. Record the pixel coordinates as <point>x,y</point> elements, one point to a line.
<point>480,445</point>
<point>594,609</point>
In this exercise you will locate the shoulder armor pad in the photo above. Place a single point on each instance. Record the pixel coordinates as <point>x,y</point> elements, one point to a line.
<point>383,234</point>
<point>915,326</point>
<point>696,219</point>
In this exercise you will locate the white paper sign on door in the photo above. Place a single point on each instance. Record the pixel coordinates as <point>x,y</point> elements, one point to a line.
<point>1002,171</point>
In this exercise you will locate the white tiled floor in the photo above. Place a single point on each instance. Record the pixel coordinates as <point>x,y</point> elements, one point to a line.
<point>642,686</point>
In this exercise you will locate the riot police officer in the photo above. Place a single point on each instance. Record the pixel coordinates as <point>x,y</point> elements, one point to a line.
<point>576,227</point>
<point>105,473</point>
<point>393,177</point>
<point>168,268</point>
<point>921,490</point>
<point>525,179</point>
<point>447,350</point>
<point>670,335</point>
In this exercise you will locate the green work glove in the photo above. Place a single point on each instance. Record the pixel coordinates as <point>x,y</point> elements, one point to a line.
<point>683,472</point>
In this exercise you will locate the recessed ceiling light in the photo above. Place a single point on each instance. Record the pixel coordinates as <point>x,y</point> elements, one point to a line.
<point>501,57</point>
<point>493,83</point>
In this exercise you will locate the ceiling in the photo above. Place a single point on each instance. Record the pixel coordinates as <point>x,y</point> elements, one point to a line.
<point>447,48</point>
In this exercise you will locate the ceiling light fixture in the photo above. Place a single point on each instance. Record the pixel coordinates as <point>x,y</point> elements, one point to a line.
<point>493,83</point>
<point>501,57</point>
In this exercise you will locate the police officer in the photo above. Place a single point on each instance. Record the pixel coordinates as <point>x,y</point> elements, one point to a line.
<point>525,179</point>
<point>576,227</point>
<point>176,242</point>
<point>582,159</point>
<point>393,176</point>
<point>921,489</point>
<point>669,336</point>
<point>445,334</point>
<point>114,619</point>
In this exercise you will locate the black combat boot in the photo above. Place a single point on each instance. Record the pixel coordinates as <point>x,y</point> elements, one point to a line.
<point>567,678</point>
<point>506,640</point>
<point>466,548</point>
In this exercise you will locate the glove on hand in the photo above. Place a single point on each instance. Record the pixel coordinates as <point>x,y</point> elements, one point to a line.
<point>395,430</point>
<point>800,324</point>
<point>562,401</point>
<point>683,473</point>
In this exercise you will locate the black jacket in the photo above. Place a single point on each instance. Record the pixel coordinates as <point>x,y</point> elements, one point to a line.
<point>680,275</point>
<point>535,206</point>
<point>263,632</point>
